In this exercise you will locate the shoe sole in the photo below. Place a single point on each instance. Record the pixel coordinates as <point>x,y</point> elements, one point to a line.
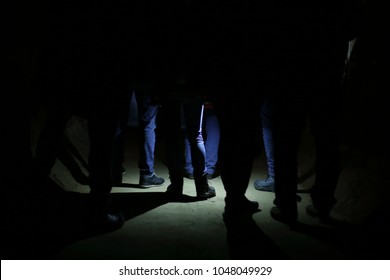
<point>151,186</point>
<point>265,189</point>
<point>204,196</point>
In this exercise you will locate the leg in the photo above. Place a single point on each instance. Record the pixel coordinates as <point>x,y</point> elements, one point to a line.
<point>119,148</point>
<point>147,114</point>
<point>239,127</point>
<point>174,142</point>
<point>324,124</point>
<point>193,116</point>
<point>212,136</point>
<point>289,122</point>
<point>188,168</point>
<point>267,184</point>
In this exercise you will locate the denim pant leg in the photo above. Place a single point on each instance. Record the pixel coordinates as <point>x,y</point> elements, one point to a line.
<point>193,115</point>
<point>266,120</point>
<point>212,135</point>
<point>147,113</point>
<point>188,168</point>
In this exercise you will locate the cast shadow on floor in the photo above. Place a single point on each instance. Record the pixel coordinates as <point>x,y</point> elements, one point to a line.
<point>366,241</point>
<point>246,241</point>
<point>38,225</point>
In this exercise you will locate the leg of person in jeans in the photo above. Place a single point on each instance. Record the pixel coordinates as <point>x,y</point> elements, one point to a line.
<point>267,184</point>
<point>211,135</point>
<point>193,114</point>
<point>188,168</point>
<point>147,114</point>
<point>193,117</point>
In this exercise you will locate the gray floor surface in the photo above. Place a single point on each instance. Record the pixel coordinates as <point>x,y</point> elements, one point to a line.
<point>157,228</point>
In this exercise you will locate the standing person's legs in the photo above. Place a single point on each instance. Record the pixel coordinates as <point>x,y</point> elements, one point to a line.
<point>174,139</point>
<point>107,103</point>
<point>147,114</point>
<point>267,184</point>
<point>118,169</point>
<point>289,123</point>
<point>188,168</point>
<point>102,126</point>
<point>325,128</point>
<point>193,116</point>
<point>212,137</point>
<point>239,126</point>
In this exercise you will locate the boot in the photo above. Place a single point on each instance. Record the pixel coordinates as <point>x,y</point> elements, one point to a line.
<point>204,190</point>
<point>175,189</point>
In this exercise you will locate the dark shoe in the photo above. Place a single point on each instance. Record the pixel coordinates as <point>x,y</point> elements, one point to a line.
<point>207,192</point>
<point>265,185</point>
<point>189,175</point>
<point>174,191</point>
<point>234,208</point>
<point>247,205</point>
<point>287,216</point>
<point>109,222</point>
<point>150,180</point>
<point>203,187</point>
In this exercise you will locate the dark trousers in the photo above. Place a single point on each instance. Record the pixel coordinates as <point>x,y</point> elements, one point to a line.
<point>147,123</point>
<point>314,98</point>
<point>239,121</point>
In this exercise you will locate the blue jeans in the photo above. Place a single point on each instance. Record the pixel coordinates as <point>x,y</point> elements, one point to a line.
<point>211,139</point>
<point>193,118</point>
<point>147,113</point>
<point>266,121</point>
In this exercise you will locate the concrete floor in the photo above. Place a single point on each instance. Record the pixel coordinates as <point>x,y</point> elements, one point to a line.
<point>157,228</point>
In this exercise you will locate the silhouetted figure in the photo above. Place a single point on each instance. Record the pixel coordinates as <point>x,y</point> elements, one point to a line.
<point>308,88</point>
<point>85,65</point>
<point>239,78</point>
<point>294,55</point>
